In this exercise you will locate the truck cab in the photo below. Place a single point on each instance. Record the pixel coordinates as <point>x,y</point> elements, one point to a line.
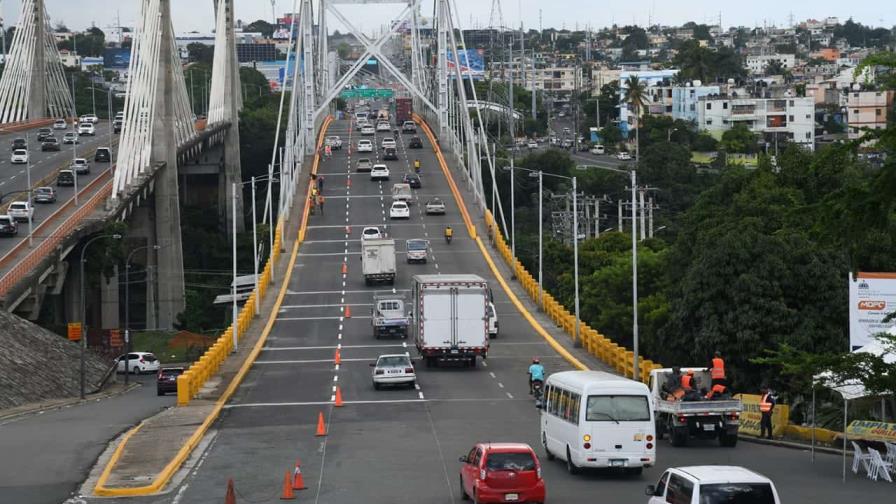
<point>389,317</point>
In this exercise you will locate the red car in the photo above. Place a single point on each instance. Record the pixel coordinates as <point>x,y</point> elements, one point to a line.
<point>501,472</point>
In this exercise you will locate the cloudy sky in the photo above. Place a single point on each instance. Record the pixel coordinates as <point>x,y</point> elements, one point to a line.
<point>196,15</point>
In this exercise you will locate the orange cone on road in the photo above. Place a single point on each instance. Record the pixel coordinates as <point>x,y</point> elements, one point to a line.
<point>348,230</point>
<point>230,498</point>
<point>337,359</point>
<point>348,311</point>
<point>298,483</point>
<point>338,402</point>
<point>344,268</point>
<point>287,494</point>
<point>321,425</point>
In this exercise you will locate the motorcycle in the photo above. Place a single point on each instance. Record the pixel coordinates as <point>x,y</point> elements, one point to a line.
<point>448,239</point>
<point>538,391</point>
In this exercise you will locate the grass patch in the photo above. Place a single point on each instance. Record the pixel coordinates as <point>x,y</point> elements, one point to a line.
<point>167,346</point>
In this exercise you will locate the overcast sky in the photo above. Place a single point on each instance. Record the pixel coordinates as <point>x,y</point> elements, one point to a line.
<point>197,14</point>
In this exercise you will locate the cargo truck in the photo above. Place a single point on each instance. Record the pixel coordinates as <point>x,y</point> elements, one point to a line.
<point>389,318</point>
<point>378,261</point>
<point>450,318</point>
<point>683,419</point>
<point>404,108</point>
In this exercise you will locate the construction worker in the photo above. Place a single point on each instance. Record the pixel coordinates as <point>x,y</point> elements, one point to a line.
<point>687,381</point>
<point>717,391</point>
<point>717,369</point>
<point>673,382</point>
<point>766,405</point>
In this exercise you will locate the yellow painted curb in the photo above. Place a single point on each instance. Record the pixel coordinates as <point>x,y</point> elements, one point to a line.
<point>513,298</point>
<point>167,473</point>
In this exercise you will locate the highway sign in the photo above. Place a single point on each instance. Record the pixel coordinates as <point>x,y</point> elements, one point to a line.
<point>367,93</point>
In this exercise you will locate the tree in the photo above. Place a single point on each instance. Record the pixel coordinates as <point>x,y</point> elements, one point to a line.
<point>261,26</point>
<point>201,53</point>
<point>740,139</point>
<point>60,27</point>
<point>885,59</point>
<point>635,95</point>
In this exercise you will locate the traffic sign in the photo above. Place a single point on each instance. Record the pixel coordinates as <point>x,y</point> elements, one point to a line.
<point>74,331</point>
<point>367,93</point>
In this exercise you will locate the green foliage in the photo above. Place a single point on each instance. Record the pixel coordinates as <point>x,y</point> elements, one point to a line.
<point>859,35</point>
<point>90,43</point>
<point>201,53</point>
<point>885,59</point>
<point>740,139</point>
<point>704,142</point>
<point>260,26</point>
<point>706,64</point>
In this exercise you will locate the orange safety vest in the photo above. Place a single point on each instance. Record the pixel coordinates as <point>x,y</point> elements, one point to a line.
<point>765,406</point>
<point>718,369</point>
<point>717,389</point>
<point>686,381</point>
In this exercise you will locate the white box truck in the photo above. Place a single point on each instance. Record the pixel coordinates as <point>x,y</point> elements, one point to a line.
<point>450,318</point>
<point>378,261</point>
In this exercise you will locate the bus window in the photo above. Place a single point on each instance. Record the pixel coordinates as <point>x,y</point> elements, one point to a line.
<point>611,408</point>
<point>574,401</point>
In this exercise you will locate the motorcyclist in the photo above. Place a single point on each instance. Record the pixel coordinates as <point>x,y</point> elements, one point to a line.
<point>417,165</point>
<point>449,233</point>
<point>536,374</point>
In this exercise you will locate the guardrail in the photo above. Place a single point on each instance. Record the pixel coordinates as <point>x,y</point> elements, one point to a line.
<point>191,381</point>
<point>25,125</point>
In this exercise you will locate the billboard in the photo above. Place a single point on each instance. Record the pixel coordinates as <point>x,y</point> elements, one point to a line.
<point>471,60</point>
<point>117,57</point>
<point>872,296</point>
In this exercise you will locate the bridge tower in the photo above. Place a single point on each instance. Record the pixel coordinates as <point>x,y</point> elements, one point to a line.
<point>33,83</point>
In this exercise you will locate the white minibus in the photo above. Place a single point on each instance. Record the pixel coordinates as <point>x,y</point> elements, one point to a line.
<point>597,419</point>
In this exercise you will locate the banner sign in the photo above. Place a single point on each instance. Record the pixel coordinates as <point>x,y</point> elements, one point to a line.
<point>74,331</point>
<point>751,416</point>
<point>876,431</point>
<point>872,296</point>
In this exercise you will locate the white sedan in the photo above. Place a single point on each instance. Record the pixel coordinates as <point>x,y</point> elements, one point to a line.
<point>379,172</point>
<point>399,210</point>
<point>365,146</point>
<point>367,130</point>
<point>623,156</point>
<point>371,233</point>
<point>394,369</point>
<point>388,142</point>
<point>19,156</point>
<point>383,126</point>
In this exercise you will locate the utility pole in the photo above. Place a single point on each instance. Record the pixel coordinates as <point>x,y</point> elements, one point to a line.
<point>641,194</point>
<point>534,115</point>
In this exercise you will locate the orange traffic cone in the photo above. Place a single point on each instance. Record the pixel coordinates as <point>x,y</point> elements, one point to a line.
<point>344,268</point>
<point>348,311</point>
<point>321,425</point>
<point>288,494</point>
<point>298,483</point>
<point>348,230</point>
<point>230,498</point>
<point>338,358</point>
<point>338,402</point>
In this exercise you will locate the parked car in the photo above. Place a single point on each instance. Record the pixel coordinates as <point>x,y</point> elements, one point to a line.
<point>44,195</point>
<point>334,142</point>
<point>399,210</point>
<point>393,369</point>
<point>501,472</point>
<point>103,155</point>
<point>413,180</point>
<point>21,211</point>
<point>87,129</point>
<point>371,233</point>
<point>435,206</point>
<point>368,130</point>
<point>60,124</point>
<point>65,178</point>
<point>19,156</point>
<point>417,250</point>
<point>8,226</point>
<point>138,362</point>
<point>43,133</point>
<point>19,143</point>
<point>166,380</point>
<point>415,143</point>
<point>388,142</point>
<point>70,138</point>
<point>623,156</point>
<point>532,144</point>
<point>379,172</point>
<point>49,144</point>
<point>81,166</point>
<point>364,165</point>
<point>699,484</point>
<point>598,149</point>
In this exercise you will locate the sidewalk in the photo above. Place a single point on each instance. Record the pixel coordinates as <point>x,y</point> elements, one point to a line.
<point>149,451</point>
<point>50,451</point>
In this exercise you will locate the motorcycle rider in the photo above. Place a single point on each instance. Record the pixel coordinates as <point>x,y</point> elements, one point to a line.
<point>417,165</point>
<point>449,233</point>
<point>536,374</point>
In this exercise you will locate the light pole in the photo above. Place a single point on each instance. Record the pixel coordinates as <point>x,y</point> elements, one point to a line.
<point>83,281</point>
<point>29,208</point>
<point>634,184</point>
<point>234,186</point>
<point>127,307</point>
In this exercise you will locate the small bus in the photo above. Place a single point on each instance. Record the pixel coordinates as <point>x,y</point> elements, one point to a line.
<point>597,419</point>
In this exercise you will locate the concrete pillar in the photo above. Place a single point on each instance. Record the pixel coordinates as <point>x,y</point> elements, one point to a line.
<point>109,297</point>
<point>170,259</point>
<point>143,233</point>
<point>71,291</point>
<point>232,173</point>
<point>37,97</point>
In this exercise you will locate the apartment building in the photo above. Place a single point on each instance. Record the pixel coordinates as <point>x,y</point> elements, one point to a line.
<point>562,79</point>
<point>791,118</point>
<point>654,79</point>
<point>686,99</point>
<point>757,63</point>
<point>867,109</point>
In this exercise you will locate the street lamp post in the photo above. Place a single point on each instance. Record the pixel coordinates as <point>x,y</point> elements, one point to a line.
<point>127,307</point>
<point>233,288</point>
<point>29,208</point>
<point>83,281</point>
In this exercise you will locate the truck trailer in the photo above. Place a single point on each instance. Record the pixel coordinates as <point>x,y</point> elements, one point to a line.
<point>378,261</point>
<point>450,318</point>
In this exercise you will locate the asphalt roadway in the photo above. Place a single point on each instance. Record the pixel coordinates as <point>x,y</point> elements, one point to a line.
<point>401,445</point>
<point>13,177</point>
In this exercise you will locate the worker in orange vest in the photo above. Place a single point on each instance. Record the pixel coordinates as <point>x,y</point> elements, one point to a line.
<point>766,405</point>
<point>717,369</point>
<point>687,381</point>
<point>718,390</point>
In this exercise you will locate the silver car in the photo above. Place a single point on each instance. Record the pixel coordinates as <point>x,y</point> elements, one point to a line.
<point>417,250</point>
<point>435,206</point>
<point>393,369</point>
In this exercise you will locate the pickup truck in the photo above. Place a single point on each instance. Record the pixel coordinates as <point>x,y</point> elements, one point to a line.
<point>402,192</point>
<point>701,419</point>
<point>388,316</point>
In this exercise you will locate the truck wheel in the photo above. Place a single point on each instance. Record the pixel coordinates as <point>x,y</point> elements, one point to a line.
<point>428,361</point>
<point>727,440</point>
<point>679,436</point>
<point>376,386</point>
<point>367,282</point>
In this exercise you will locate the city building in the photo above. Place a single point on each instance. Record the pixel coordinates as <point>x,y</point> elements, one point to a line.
<point>256,52</point>
<point>653,79</point>
<point>790,117</point>
<point>757,63</point>
<point>685,100</point>
<point>867,109</point>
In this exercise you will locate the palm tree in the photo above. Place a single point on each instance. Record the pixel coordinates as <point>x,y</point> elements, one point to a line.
<point>635,95</point>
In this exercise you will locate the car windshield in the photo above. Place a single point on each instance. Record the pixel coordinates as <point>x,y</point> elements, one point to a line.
<point>737,493</point>
<point>617,408</point>
<point>393,360</point>
<point>521,461</point>
<point>416,245</point>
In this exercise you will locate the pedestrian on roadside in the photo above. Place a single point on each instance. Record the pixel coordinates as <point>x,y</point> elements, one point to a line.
<point>320,203</point>
<point>766,406</point>
<point>320,183</point>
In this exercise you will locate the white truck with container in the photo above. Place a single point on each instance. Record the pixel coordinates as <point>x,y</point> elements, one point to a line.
<point>693,416</point>
<point>450,318</point>
<point>378,261</point>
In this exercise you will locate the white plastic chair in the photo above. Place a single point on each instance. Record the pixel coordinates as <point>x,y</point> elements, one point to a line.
<point>879,468</point>
<point>857,457</point>
<point>891,453</point>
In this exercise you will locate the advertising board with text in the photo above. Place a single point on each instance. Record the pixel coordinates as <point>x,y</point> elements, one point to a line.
<point>872,297</point>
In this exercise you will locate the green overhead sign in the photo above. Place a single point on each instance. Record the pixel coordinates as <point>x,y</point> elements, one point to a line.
<point>366,93</point>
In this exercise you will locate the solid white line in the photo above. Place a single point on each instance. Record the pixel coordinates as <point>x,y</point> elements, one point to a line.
<point>510,395</point>
<point>420,395</point>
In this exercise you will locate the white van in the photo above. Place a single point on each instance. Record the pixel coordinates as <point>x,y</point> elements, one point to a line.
<point>598,419</point>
